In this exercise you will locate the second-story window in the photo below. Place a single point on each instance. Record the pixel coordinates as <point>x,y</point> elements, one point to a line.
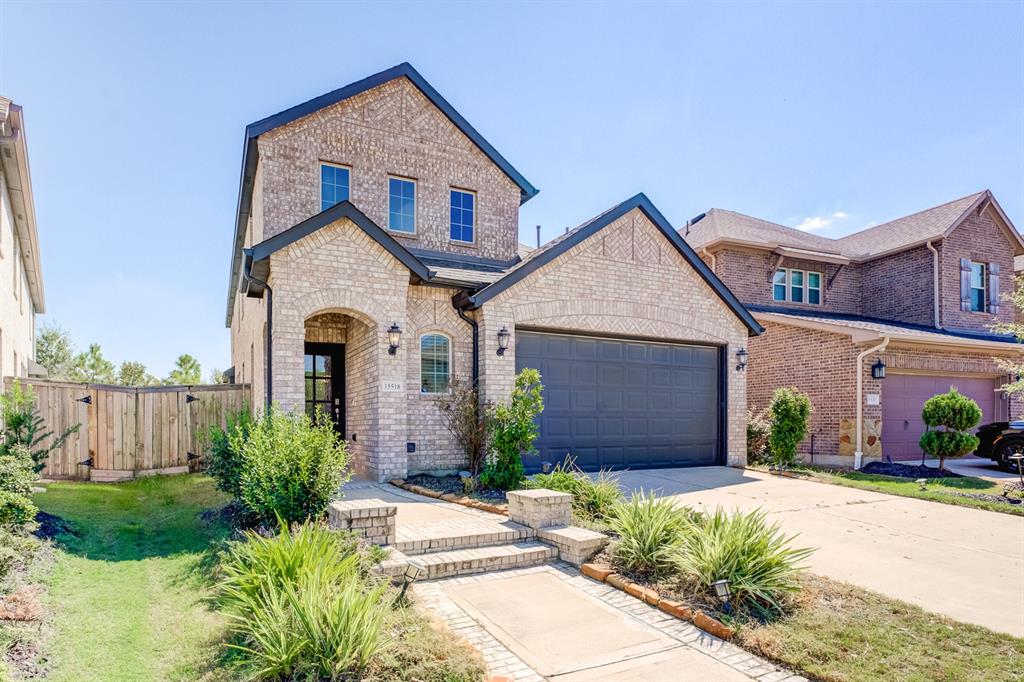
<point>978,291</point>
<point>334,185</point>
<point>402,205</point>
<point>463,212</point>
<point>796,286</point>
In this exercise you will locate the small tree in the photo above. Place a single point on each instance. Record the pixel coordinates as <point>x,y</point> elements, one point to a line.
<point>91,367</point>
<point>759,430</point>
<point>186,372</point>
<point>54,350</point>
<point>467,419</point>
<point>955,415</point>
<point>1014,368</point>
<point>513,432</point>
<point>790,409</point>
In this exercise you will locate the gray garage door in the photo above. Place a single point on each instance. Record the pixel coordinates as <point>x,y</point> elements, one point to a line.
<point>618,403</point>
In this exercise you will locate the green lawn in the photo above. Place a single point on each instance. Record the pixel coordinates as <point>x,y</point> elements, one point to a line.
<point>937,489</point>
<point>127,593</point>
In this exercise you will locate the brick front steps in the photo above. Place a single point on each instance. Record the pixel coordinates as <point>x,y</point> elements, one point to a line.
<point>478,560</point>
<point>422,538</point>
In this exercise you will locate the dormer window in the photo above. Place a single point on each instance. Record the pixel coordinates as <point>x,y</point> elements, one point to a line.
<point>334,184</point>
<point>402,205</point>
<point>796,286</point>
<point>463,215</point>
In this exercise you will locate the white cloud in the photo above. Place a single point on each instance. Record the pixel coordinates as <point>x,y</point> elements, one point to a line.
<point>815,223</point>
<point>840,215</point>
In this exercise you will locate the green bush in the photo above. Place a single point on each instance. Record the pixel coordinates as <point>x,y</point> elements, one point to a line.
<point>955,414</point>
<point>513,432</point>
<point>16,509</point>
<point>17,548</point>
<point>592,498</point>
<point>743,548</point>
<point>302,604</point>
<point>790,410</point>
<point>649,529</point>
<point>224,462</point>
<point>291,466</point>
<point>759,430</point>
<point>17,474</point>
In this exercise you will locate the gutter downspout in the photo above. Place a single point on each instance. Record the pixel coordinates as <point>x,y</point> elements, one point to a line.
<point>712,258</point>
<point>935,280</point>
<point>476,342</point>
<point>859,453</point>
<point>270,337</point>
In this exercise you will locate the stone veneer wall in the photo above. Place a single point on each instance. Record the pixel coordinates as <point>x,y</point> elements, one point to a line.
<point>389,130</point>
<point>626,280</point>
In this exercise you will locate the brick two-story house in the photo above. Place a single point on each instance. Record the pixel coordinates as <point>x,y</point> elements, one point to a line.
<point>376,257</point>
<point>913,299</point>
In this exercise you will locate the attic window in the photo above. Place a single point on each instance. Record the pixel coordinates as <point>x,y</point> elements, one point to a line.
<point>334,185</point>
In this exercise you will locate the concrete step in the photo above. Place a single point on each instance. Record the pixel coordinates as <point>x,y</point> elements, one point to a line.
<point>483,559</point>
<point>446,536</point>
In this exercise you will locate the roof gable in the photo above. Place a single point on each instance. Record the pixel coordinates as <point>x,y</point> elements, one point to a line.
<point>538,258</point>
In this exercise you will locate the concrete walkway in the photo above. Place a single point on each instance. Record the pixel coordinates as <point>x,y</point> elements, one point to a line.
<point>551,623</point>
<point>965,563</point>
<point>974,466</point>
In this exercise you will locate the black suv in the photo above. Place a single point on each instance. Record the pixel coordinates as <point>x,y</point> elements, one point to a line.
<point>1000,440</point>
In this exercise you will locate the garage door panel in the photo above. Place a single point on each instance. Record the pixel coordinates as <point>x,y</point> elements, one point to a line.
<point>618,404</point>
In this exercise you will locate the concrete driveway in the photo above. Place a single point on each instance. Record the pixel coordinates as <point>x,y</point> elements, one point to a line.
<point>965,563</point>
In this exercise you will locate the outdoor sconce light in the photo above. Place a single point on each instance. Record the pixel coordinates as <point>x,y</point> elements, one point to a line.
<point>878,369</point>
<point>723,593</point>
<point>394,337</point>
<point>85,399</point>
<point>741,359</point>
<point>413,572</point>
<point>503,337</point>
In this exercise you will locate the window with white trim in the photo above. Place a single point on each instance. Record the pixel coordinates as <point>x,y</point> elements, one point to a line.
<point>401,205</point>
<point>796,286</point>
<point>979,290</point>
<point>435,363</point>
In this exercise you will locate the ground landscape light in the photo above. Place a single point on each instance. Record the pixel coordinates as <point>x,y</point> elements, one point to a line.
<point>723,593</point>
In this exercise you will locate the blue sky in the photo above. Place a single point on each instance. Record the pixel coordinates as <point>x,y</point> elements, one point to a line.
<point>801,113</point>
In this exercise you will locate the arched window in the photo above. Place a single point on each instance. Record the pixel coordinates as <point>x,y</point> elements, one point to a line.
<point>435,351</point>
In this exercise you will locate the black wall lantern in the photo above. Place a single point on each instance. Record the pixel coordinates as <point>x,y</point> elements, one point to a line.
<point>741,359</point>
<point>878,369</point>
<point>503,337</point>
<point>394,337</point>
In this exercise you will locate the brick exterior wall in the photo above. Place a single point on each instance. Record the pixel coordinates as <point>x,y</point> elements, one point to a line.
<point>980,239</point>
<point>901,287</point>
<point>625,280</point>
<point>389,130</point>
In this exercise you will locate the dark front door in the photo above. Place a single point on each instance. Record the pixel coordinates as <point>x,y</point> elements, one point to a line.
<point>325,382</point>
<point>621,403</point>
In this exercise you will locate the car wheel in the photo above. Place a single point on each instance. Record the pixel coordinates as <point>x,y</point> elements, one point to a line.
<point>1006,449</point>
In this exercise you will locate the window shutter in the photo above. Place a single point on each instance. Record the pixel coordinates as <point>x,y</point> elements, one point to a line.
<point>965,285</point>
<point>993,288</point>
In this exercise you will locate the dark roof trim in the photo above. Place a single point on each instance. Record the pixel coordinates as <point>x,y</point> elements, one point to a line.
<point>260,253</point>
<point>639,201</point>
<point>456,260</point>
<point>846,317</point>
<point>250,150</point>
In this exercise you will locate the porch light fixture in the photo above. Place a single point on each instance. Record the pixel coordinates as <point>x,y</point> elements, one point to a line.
<point>503,337</point>
<point>723,593</point>
<point>878,369</point>
<point>741,359</point>
<point>394,337</point>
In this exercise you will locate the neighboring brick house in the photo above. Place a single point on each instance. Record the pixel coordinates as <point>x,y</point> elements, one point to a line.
<point>918,295</point>
<point>21,274</point>
<point>376,257</point>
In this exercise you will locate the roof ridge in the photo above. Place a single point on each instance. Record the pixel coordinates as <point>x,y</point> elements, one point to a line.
<point>911,215</point>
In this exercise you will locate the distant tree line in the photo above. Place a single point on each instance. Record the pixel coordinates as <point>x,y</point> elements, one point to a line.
<point>55,352</point>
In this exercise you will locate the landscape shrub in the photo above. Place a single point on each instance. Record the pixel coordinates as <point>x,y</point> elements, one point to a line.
<point>223,461</point>
<point>290,466</point>
<point>467,420</point>
<point>743,548</point>
<point>649,529</point>
<point>16,509</point>
<point>759,430</point>
<point>592,498</point>
<point>954,414</point>
<point>790,410</point>
<point>301,604</point>
<point>513,432</point>
<point>17,548</point>
<point>423,652</point>
<point>17,471</point>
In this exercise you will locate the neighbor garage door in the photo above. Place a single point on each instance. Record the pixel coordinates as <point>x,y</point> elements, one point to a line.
<point>618,403</point>
<point>903,396</point>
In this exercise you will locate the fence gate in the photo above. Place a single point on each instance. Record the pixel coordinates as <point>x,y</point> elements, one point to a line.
<point>127,431</point>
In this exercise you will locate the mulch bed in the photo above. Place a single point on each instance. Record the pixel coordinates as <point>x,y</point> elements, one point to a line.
<point>906,471</point>
<point>453,484</point>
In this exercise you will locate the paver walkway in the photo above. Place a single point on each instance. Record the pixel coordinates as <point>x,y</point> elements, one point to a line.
<point>964,563</point>
<point>549,622</point>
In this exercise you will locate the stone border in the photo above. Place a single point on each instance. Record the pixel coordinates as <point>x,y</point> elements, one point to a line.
<point>709,624</point>
<point>464,500</point>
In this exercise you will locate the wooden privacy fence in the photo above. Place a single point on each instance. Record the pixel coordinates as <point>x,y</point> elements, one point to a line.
<point>127,431</point>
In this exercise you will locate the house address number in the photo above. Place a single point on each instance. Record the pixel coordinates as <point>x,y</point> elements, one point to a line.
<point>392,386</point>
